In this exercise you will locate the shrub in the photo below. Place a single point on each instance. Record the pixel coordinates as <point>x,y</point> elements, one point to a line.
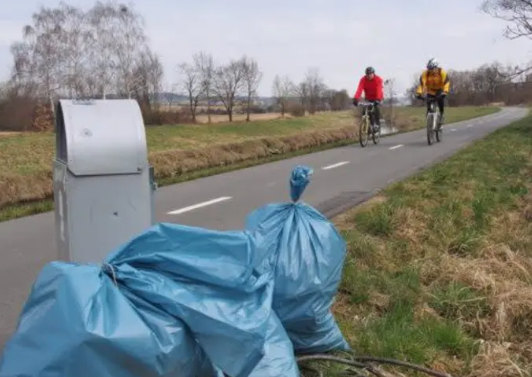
<point>296,110</point>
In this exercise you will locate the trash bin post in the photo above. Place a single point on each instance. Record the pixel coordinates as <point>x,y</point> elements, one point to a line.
<point>103,183</point>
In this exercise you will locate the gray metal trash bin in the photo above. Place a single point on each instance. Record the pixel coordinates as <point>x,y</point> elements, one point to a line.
<point>103,183</point>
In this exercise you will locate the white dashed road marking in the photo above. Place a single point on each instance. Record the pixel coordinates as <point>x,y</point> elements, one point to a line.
<point>199,205</point>
<point>335,165</point>
<point>397,146</point>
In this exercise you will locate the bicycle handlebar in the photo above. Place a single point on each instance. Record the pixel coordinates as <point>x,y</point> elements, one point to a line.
<point>368,103</point>
<point>432,98</point>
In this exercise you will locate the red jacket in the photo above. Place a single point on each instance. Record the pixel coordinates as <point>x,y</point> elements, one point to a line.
<point>372,88</point>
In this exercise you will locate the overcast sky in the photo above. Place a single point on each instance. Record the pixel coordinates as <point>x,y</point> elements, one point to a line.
<point>341,37</point>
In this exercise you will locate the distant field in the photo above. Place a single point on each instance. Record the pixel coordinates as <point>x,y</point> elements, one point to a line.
<point>193,136</point>
<point>222,118</point>
<point>26,159</point>
<point>185,106</point>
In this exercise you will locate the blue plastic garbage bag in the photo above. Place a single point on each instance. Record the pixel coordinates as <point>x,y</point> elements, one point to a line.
<point>208,292</point>
<point>279,359</point>
<point>310,255</point>
<point>77,322</point>
<point>209,280</point>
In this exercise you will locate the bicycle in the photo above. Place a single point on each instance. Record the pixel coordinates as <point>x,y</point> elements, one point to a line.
<point>367,125</point>
<point>433,121</point>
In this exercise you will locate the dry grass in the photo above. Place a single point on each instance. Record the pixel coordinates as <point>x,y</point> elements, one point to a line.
<point>222,118</point>
<point>9,133</point>
<point>185,106</point>
<point>26,159</point>
<point>440,266</point>
<point>239,117</point>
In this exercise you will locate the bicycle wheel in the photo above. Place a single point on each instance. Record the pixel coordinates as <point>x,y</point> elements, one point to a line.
<point>430,129</point>
<point>363,131</point>
<point>439,133</point>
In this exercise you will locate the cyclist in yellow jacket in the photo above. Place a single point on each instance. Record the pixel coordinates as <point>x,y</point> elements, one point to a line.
<point>435,83</point>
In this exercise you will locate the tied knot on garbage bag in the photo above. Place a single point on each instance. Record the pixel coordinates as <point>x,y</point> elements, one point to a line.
<point>190,302</point>
<point>110,271</point>
<point>299,180</point>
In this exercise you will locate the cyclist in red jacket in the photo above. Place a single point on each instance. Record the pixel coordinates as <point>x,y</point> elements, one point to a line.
<point>372,85</point>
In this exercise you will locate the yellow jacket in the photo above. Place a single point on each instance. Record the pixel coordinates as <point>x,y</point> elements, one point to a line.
<point>432,82</point>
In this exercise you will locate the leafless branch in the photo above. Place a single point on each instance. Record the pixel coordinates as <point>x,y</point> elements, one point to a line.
<point>228,84</point>
<point>192,84</point>
<point>281,90</point>
<point>518,13</point>
<point>205,64</point>
<point>316,88</point>
<point>72,52</point>
<point>252,77</point>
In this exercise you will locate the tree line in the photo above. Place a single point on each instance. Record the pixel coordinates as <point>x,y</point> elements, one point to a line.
<point>489,83</point>
<point>103,52</point>
<point>495,82</point>
<point>235,84</point>
<point>68,52</point>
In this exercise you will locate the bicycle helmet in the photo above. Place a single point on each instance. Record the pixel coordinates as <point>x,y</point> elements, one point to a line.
<point>432,63</point>
<point>370,70</point>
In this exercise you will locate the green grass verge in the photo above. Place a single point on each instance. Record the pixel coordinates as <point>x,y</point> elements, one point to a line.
<point>439,270</point>
<point>32,208</point>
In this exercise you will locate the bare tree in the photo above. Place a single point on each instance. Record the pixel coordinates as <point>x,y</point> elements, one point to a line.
<point>147,75</point>
<point>228,84</point>
<point>252,78</point>
<point>389,90</point>
<point>168,95</point>
<point>192,85</point>
<point>73,40</point>
<point>105,34</point>
<point>69,52</point>
<point>37,57</point>
<point>336,100</point>
<point>204,63</point>
<point>316,88</point>
<point>518,13</point>
<point>390,100</point>
<point>129,43</point>
<point>301,91</point>
<point>74,53</point>
<point>281,90</point>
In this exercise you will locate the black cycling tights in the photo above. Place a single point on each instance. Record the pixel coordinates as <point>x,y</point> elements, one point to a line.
<point>440,101</point>
<point>376,114</point>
